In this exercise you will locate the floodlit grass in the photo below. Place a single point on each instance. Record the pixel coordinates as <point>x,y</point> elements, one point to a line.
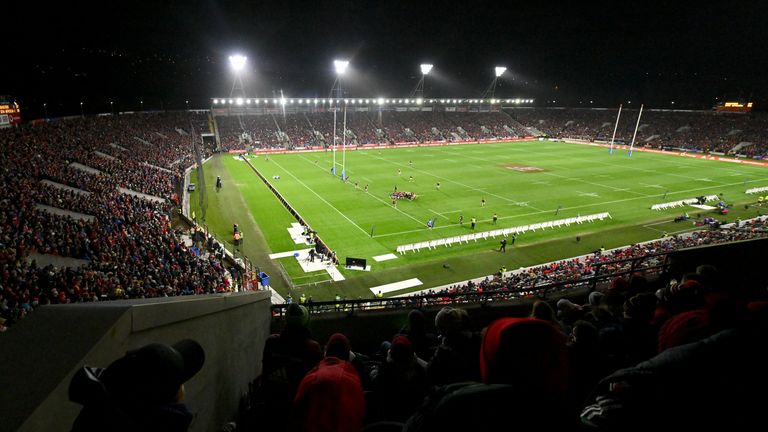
<point>522,182</point>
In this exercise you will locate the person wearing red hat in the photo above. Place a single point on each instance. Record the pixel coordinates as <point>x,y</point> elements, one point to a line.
<point>524,369</point>
<point>330,397</point>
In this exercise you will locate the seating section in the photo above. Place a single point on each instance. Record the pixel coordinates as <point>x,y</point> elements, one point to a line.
<point>75,170</point>
<point>690,130</point>
<point>300,129</point>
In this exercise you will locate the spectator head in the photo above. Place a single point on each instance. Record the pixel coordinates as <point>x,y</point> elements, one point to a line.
<point>416,320</point>
<point>525,352</point>
<point>709,277</point>
<point>450,320</point>
<point>595,298</point>
<point>568,311</point>
<point>585,333</point>
<point>619,284</point>
<point>150,375</point>
<point>543,311</point>
<point>401,350</point>
<point>640,307</point>
<point>338,346</point>
<point>685,328</point>
<point>297,316</point>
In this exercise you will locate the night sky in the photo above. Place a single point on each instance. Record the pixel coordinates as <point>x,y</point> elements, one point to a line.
<point>165,53</point>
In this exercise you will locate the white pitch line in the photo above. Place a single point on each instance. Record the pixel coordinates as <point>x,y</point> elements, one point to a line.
<point>569,208</point>
<point>652,185</point>
<point>321,198</point>
<point>377,199</point>
<point>591,161</point>
<point>458,183</point>
<point>439,214</point>
<point>613,188</point>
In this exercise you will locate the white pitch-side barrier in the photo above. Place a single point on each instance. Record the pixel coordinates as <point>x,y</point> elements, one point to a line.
<point>684,202</point>
<point>484,235</point>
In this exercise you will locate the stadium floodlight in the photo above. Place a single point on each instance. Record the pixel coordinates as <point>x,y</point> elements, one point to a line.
<point>231,101</point>
<point>215,101</point>
<point>340,66</point>
<point>418,91</point>
<point>380,101</point>
<point>237,62</point>
<point>500,70</point>
<point>419,101</point>
<point>239,101</point>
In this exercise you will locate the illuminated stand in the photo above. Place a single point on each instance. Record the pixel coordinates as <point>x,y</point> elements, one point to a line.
<point>341,67</point>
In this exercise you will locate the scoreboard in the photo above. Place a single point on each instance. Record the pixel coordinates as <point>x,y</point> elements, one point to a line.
<point>739,107</point>
<point>10,112</point>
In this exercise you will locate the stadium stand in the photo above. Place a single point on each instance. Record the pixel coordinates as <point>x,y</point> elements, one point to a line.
<point>610,320</point>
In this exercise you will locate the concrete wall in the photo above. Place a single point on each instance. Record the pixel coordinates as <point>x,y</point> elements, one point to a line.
<point>39,356</point>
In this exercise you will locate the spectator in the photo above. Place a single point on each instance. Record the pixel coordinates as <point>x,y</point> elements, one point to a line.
<point>330,397</point>
<point>143,390</point>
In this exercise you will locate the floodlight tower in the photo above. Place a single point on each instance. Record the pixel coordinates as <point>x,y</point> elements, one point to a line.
<point>341,67</point>
<point>491,90</point>
<point>237,63</point>
<point>418,92</point>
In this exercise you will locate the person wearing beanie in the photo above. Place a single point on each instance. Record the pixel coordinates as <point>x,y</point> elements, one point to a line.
<point>143,390</point>
<point>706,384</point>
<point>415,330</point>
<point>330,397</point>
<point>287,358</point>
<point>455,359</point>
<point>685,328</point>
<point>526,352</point>
<point>297,315</point>
<point>524,371</point>
<point>400,383</point>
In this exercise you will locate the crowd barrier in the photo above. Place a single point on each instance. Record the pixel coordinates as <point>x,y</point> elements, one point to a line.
<point>432,244</point>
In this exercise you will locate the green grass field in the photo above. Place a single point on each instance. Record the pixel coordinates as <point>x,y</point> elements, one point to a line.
<point>577,179</point>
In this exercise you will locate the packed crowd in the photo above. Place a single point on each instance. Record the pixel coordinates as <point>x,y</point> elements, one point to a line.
<point>700,131</point>
<point>125,242</point>
<point>629,357</point>
<point>525,282</point>
<point>376,127</point>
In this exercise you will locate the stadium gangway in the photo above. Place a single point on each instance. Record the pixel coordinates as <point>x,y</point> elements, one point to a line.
<point>432,244</point>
